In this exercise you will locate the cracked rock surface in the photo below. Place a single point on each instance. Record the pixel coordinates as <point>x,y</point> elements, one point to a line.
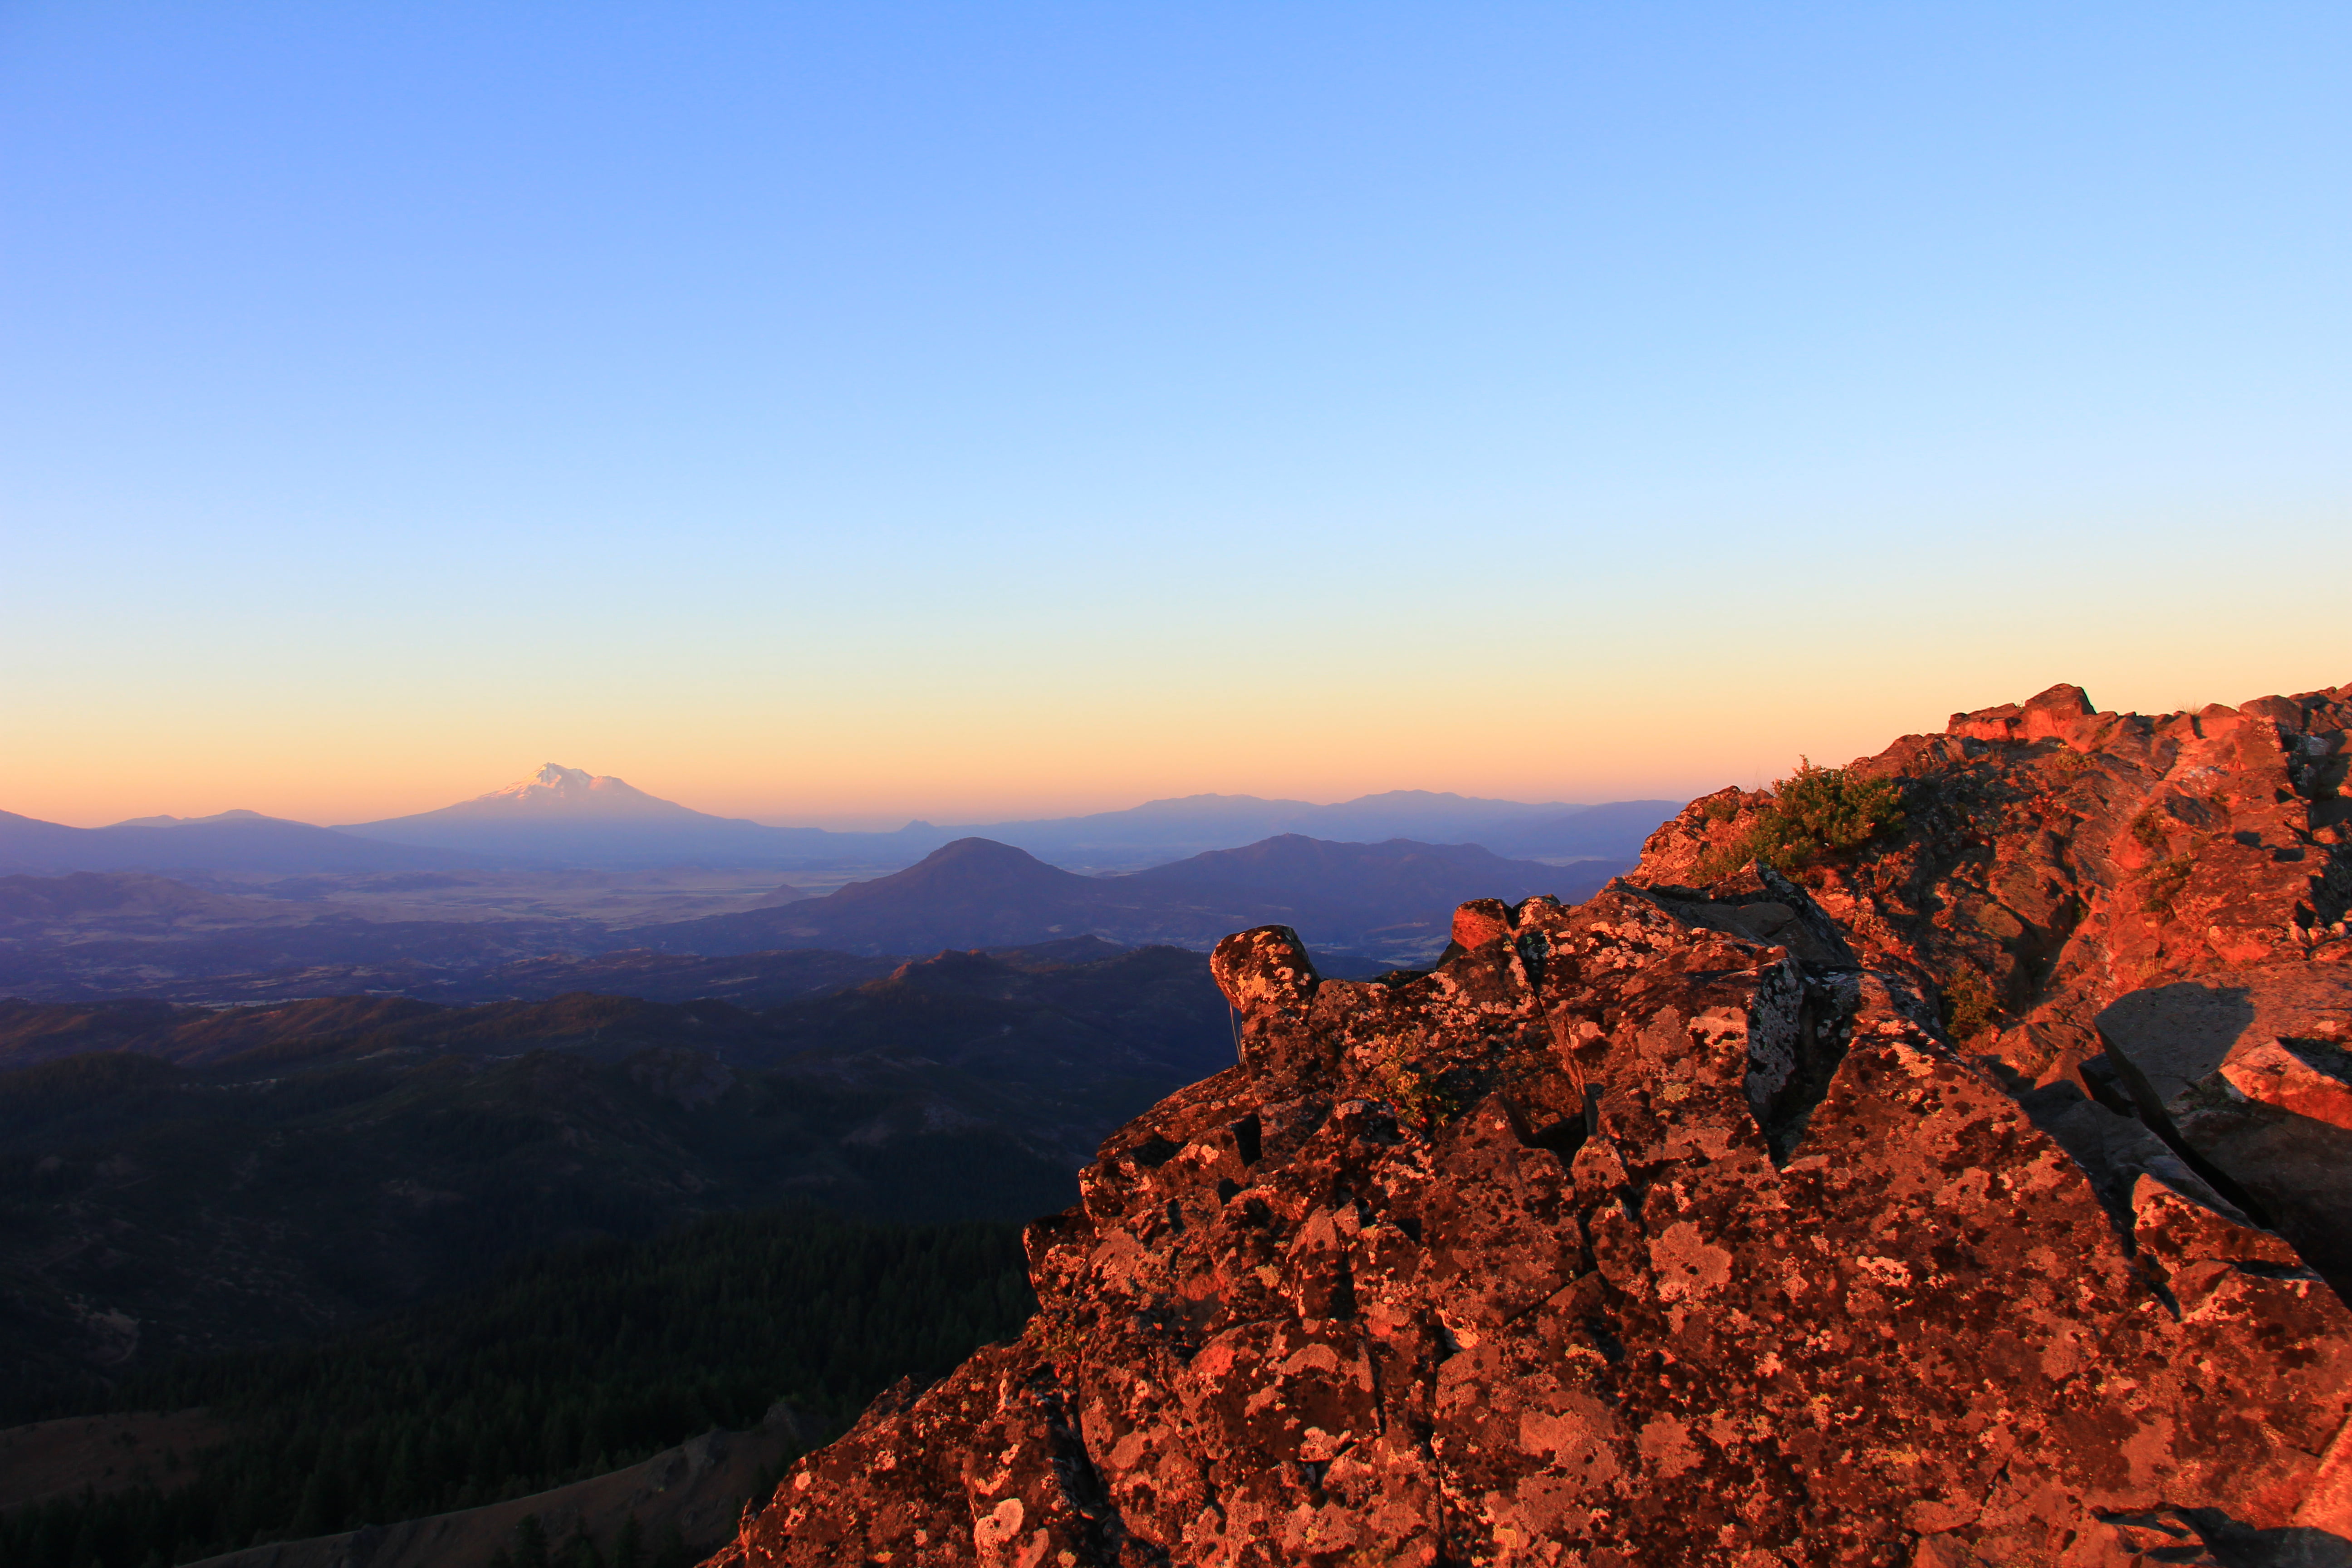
<point>1677,1227</point>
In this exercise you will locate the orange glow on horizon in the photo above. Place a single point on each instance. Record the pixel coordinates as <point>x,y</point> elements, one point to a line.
<point>842,770</point>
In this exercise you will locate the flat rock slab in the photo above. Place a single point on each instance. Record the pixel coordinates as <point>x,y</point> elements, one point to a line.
<point>2171,1040</point>
<point>2246,1071</point>
<point>2314,1081</point>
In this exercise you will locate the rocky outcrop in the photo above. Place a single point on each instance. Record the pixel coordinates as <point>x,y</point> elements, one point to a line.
<point>1681,1225</point>
<point>2094,894</point>
<point>2054,859</point>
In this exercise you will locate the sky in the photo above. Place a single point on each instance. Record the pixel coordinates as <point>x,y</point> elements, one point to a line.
<point>834,414</point>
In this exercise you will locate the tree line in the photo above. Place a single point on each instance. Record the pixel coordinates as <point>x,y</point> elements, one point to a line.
<point>571,1364</point>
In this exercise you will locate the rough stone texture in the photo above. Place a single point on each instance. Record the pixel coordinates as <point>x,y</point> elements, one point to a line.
<point>1673,1227</point>
<point>2293,1077</point>
<point>2079,866</point>
<point>2173,1040</point>
<point>2248,1073</point>
<point>2056,860</point>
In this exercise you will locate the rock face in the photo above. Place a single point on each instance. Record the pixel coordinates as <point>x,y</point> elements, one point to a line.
<point>2058,858</point>
<point>2247,1072</point>
<point>1677,1226</point>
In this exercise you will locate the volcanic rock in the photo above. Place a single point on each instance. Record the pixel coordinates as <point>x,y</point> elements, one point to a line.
<point>1774,1220</point>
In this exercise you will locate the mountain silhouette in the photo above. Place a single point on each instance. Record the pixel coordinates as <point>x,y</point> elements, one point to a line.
<point>1163,830</point>
<point>567,816</point>
<point>556,792</point>
<point>1391,899</point>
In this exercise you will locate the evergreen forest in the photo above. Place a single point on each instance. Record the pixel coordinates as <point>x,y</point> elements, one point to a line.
<point>570,1363</point>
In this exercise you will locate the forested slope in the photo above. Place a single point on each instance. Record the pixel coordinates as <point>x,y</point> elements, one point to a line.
<point>572,1364</point>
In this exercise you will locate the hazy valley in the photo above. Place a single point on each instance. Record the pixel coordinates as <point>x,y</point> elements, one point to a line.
<point>263,1083</point>
<point>247,909</point>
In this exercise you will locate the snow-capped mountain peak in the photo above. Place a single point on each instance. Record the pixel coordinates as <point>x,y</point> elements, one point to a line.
<point>558,791</point>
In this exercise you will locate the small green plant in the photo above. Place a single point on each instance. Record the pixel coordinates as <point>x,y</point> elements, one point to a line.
<point>2070,766</point>
<point>1413,1090</point>
<point>2148,829</point>
<point>1059,1338</point>
<point>1812,813</point>
<point>2163,881</point>
<point>1969,1007</point>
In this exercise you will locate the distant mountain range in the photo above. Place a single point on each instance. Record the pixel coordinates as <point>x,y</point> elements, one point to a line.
<point>1393,900</point>
<point>561,816</point>
<point>1163,830</point>
<point>88,935</point>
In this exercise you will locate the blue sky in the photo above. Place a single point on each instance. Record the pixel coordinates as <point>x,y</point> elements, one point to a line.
<point>830,413</point>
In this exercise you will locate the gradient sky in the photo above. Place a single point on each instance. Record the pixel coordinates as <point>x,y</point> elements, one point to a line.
<point>830,414</point>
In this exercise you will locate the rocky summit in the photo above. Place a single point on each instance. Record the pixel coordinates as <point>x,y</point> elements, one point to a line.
<point>1967,1190</point>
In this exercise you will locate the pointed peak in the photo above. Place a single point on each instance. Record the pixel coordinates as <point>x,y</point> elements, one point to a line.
<point>553,791</point>
<point>555,780</point>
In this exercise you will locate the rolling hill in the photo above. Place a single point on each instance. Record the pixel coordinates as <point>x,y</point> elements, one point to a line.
<point>1390,900</point>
